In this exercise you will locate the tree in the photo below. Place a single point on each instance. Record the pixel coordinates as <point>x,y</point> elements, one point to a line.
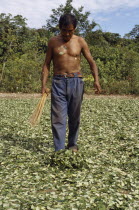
<point>133,37</point>
<point>134,33</point>
<point>84,26</point>
<point>112,38</point>
<point>101,38</point>
<point>96,38</point>
<point>12,30</point>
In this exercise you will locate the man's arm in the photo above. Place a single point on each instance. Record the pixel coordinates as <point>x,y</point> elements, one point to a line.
<point>46,68</point>
<point>93,67</point>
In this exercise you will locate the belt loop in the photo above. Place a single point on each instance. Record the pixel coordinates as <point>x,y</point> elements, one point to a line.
<point>65,75</point>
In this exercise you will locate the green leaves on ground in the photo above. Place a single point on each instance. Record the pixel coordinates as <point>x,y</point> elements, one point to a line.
<point>103,175</point>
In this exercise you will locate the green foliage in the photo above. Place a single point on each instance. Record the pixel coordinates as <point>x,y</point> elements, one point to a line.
<point>66,159</point>
<point>12,30</point>
<point>22,75</point>
<point>22,53</point>
<point>83,27</point>
<point>102,175</point>
<point>101,38</point>
<point>134,33</point>
<point>118,69</point>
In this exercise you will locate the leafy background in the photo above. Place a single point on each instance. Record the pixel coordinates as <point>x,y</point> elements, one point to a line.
<point>103,175</point>
<point>23,49</point>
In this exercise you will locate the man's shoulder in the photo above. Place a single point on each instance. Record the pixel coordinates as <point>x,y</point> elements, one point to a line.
<point>53,40</point>
<point>79,38</point>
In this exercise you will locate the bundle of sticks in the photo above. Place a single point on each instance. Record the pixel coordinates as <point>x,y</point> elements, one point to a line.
<point>36,115</point>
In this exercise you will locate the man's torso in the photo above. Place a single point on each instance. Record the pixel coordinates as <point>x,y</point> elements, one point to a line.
<point>66,55</point>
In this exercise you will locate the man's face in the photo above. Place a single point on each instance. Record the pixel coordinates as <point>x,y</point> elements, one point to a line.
<point>67,32</point>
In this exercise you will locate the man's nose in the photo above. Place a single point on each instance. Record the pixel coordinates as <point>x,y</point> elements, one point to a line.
<point>67,33</point>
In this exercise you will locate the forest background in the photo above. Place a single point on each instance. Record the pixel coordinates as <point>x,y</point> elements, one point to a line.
<point>22,53</point>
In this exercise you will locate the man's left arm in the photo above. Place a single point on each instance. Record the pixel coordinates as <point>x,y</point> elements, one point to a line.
<point>93,66</point>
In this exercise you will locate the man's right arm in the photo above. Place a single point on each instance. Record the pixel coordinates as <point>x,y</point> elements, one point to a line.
<point>46,67</point>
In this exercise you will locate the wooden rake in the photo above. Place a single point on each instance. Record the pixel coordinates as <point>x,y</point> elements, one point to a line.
<point>36,115</point>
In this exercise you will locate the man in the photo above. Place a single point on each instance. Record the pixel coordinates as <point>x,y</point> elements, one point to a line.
<point>67,85</point>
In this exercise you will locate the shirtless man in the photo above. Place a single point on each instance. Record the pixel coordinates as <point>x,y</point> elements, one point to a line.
<point>67,85</point>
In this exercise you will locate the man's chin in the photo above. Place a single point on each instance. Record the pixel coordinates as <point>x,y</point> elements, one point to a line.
<point>66,39</point>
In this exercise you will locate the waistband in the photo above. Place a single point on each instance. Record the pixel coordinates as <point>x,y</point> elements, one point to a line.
<point>68,75</point>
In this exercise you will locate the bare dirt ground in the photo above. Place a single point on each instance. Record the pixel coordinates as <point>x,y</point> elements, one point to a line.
<point>86,96</point>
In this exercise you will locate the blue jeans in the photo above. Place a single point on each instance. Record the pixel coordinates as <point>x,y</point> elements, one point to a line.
<point>66,99</point>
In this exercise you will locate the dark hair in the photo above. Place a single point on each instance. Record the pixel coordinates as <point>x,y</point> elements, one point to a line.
<point>67,19</point>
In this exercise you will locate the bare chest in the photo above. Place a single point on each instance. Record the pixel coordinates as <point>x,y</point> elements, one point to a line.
<point>70,49</point>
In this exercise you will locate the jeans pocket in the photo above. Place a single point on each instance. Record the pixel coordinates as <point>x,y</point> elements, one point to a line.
<point>58,87</point>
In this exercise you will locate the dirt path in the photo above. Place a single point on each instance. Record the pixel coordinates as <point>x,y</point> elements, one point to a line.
<point>20,95</point>
<point>37,95</point>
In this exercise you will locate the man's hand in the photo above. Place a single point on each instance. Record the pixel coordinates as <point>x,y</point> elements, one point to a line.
<point>97,87</point>
<point>46,90</point>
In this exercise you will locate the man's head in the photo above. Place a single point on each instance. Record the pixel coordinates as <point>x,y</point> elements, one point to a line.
<point>67,25</point>
<point>67,19</point>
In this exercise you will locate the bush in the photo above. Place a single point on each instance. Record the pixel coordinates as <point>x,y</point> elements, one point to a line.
<point>116,87</point>
<point>22,74</point>
<point>118,70</point>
